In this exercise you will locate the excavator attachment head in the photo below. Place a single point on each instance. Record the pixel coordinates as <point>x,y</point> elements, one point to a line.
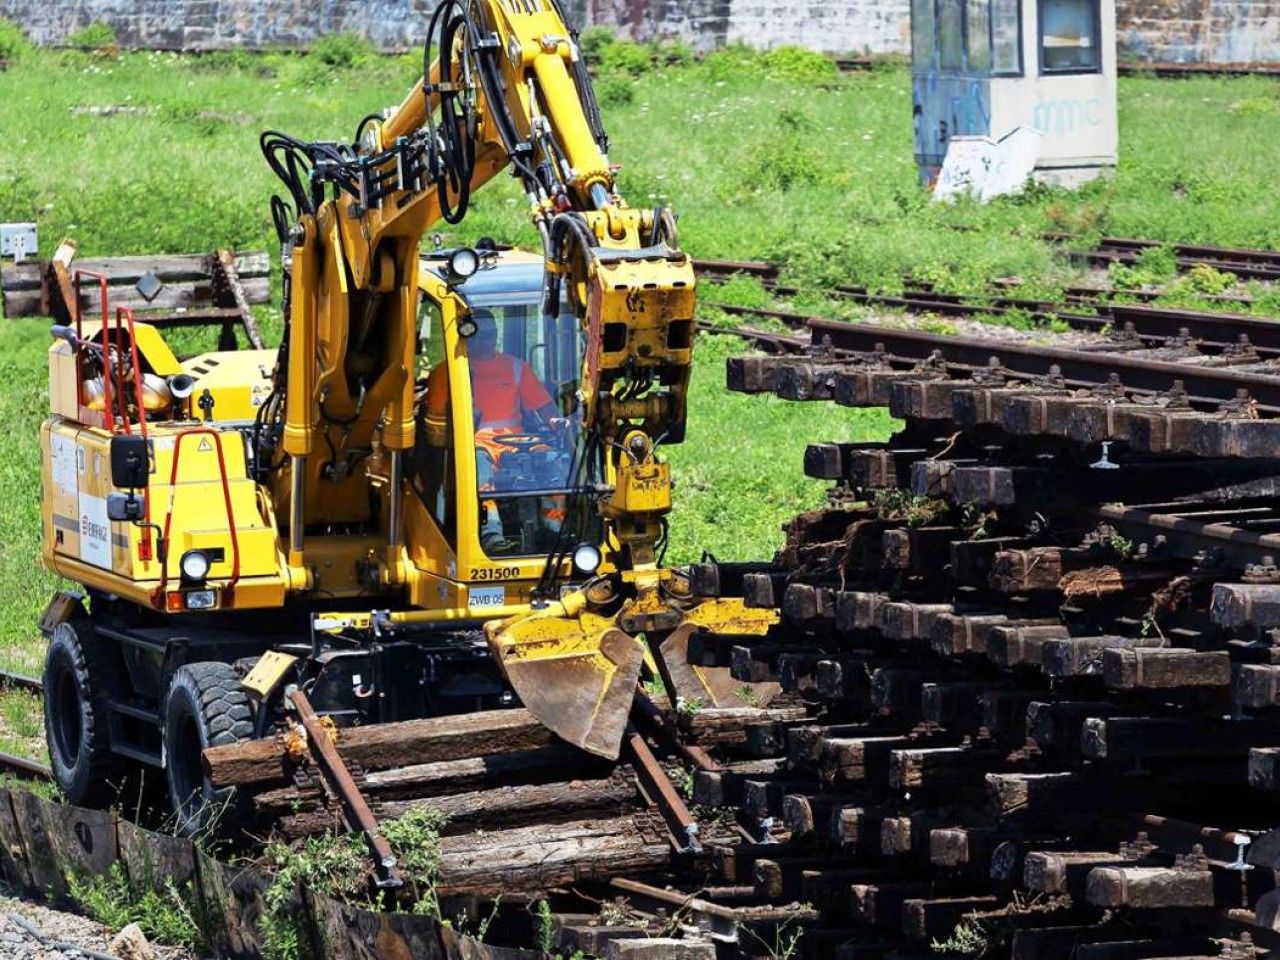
<point>574,671</point>
<point>713,686</point>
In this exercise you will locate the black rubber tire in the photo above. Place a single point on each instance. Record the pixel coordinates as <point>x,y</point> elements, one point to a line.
<point>75,717</point>
<point>205,707</point>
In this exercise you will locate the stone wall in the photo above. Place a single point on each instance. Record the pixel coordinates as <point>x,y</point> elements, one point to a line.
<point>1204,31</point>
<point>1167,30</point>
<point>215,24</point>
<point>834,26</point>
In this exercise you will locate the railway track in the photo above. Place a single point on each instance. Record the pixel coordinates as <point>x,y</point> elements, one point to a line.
<point>1243,262</point>
<point>1239,338</point>
<point>1138,68</point>
<point>1247,264</point>
<point>18,681</point>
<point>1133,68</point>
<point>22,768</point>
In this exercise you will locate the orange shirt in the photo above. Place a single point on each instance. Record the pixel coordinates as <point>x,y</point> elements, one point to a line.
<point>503,389</point>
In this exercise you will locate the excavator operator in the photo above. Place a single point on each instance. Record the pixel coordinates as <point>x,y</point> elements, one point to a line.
<point>510,401</point>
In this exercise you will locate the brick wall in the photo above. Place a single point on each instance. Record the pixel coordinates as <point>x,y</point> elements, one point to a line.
<point>1176,30</point>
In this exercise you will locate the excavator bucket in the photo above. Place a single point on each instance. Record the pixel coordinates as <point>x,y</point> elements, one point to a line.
<point>574,671</point>
<point>713,686</point>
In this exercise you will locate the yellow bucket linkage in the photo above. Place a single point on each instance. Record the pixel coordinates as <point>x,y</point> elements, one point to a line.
<point>576,670</point>
<point>573,670</point>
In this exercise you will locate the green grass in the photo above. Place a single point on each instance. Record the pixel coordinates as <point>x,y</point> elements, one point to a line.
<point>739,472</point>
<point>763,156</point>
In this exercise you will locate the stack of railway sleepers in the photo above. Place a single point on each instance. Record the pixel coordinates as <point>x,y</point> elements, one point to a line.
<point>166,290</point>
<point>1036,636</point>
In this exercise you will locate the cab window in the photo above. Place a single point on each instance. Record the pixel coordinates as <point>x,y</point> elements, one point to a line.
<point>950,34</point>
<point>531,452</point>
<point>430,335</point>
<point>981,37</point>
<point>922,32</point>
<point>977,30</point>
<point>1006,38</point>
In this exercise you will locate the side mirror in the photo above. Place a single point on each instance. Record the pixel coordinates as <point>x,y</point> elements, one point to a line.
<point>130,462</point>
<point>123,507</point>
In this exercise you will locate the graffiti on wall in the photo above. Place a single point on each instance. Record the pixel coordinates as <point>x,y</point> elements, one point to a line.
<point>1066,116</point>
<point>946,107</point>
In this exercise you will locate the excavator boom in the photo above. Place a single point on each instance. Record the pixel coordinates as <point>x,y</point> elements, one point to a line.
<point>504,88</point>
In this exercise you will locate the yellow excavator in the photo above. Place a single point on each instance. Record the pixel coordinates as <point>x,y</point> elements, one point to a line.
<point>443,491</point>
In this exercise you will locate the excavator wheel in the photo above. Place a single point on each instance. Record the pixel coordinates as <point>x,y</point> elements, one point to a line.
<point>205,707</point>
<point>75,718</point>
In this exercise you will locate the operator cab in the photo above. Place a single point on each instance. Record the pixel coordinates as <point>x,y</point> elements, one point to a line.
<point>525,465</point>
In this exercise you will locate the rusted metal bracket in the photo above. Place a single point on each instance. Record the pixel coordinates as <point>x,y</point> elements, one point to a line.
<point>338,777</point>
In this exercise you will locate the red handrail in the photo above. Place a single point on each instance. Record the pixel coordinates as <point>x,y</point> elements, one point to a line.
<point>123,315</point>
<point>102,285</point>
<point>229,588</point>
<point>126,313</point>
<point>144,549</point>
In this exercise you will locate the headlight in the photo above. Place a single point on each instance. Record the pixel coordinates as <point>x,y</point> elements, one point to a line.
<point>586,559</point>
<point>201,599</point>
<point>462,264</point>
<point>194,566</point>
<point>467,327</point>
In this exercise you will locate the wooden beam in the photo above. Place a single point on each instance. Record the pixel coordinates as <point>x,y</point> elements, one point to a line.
<point>538,858</point>
<point>1166,669</point>
<point>387,745</point>
<point>1150,887</point>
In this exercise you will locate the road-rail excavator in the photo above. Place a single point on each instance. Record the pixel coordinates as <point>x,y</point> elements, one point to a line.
<point>441,494</point>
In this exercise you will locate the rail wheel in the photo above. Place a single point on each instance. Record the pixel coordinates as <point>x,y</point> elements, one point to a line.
<point>75,717</point>
<point>205,707</point>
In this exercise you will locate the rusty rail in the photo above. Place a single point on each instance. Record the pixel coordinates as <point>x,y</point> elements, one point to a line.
<point>24,768</point>
<point>359,816</point>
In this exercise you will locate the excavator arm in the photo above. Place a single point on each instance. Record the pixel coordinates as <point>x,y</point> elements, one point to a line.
<point>504,88</point>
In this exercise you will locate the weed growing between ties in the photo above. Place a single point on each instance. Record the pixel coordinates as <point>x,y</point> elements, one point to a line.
<point>338,866</point>
<point>966,940</point>
<point>40,788</point>
<point>900,505</point>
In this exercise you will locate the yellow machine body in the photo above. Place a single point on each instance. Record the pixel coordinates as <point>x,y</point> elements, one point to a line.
<point>433,574</point>
<point>306,476</point>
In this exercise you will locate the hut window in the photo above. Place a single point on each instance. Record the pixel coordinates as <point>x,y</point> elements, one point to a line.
<point>1006,38</point>
<point>1069,36</point>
